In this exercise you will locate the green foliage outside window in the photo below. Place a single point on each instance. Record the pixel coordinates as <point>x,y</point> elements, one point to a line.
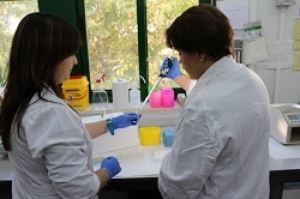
<point>112,36</point>
<point>112,39</point>
<point>160,15</point>
<point>11,12</point>
<point>111,30</point>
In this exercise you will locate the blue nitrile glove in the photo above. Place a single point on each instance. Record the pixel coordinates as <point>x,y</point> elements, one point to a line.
<point>112,165</point>
<point>174,71</point>
<point>126,120</point>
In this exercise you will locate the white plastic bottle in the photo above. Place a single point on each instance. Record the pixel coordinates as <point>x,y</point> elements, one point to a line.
<point>135,96</point>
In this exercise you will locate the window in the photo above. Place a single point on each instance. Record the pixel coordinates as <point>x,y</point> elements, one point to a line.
<point>160,14</point>
<point>122,39</point>
<point>11,13</point>
<point>112,40</point>
<point>112,35</point>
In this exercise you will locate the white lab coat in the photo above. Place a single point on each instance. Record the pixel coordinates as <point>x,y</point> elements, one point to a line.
<point>191,86</point>
<point>220,148</point>
<point>52,155</point>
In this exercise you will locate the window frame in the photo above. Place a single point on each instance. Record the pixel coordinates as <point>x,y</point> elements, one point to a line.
<point>76,16</point>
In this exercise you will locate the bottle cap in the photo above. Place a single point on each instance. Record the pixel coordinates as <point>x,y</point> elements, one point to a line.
<point>98,78</point>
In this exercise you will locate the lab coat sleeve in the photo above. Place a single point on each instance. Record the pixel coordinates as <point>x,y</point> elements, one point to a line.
<point>58,136</point>
<point>186,168</point>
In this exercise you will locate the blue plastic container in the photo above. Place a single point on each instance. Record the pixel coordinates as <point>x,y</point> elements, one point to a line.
<point>168,137</point>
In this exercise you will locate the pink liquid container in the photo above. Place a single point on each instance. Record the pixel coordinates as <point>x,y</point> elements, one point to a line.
<point>167,97</point>
<point>155,99</point>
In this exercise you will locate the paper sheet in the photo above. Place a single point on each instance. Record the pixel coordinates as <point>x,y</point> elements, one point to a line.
<point>134,164</point>
<point>279,51</point>
<point>297,45</point>
<point>158,156</point>
<point>297,29</point>
<point>296,65</point>
<point>238,14</point>
<point>237,11</point>
<point>138,161</point>
<point>254,51</point>
<point>146,167</point>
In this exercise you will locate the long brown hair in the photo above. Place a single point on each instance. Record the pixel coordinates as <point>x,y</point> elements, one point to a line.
<point>40,43</point>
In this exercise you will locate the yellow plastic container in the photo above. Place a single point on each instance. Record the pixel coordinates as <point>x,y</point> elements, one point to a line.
<point>150,135</point>
<point>76,92</point>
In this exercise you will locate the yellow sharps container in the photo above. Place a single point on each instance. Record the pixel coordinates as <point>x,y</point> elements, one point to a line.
<point>76,92</point>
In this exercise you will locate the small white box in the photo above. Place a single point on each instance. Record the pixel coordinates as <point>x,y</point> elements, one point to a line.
<point>123,138</point>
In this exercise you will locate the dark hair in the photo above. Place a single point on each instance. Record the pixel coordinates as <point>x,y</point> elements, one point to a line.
<point>201,29</point>
<point>40,43</point>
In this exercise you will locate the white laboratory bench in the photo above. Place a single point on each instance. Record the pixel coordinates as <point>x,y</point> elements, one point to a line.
<point>145,109</point>
<point>138,178</point>
<point>139,171</point>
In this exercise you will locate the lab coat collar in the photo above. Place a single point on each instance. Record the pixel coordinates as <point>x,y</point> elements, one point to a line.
<point>224,64</point>
<point>49,94</point>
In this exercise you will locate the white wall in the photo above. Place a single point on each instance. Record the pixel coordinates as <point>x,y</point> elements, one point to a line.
<point>283,84</point>
<point>288,80</point>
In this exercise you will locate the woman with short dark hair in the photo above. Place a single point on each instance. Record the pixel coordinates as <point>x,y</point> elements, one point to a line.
<point>220,148</point>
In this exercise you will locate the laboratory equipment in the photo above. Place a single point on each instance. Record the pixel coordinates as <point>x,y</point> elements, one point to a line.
<point>155,98</point>
<point>76,92</point>
<point>135,94</point>
<point>168,137</point>
<point>285,123</point>
<point>167,97</point>
<point>99,99</point>
<point>150,135</point>
<point>126,133</point>
<point>163,74</point>
<point>99,96</point>
<point>120,94</point>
